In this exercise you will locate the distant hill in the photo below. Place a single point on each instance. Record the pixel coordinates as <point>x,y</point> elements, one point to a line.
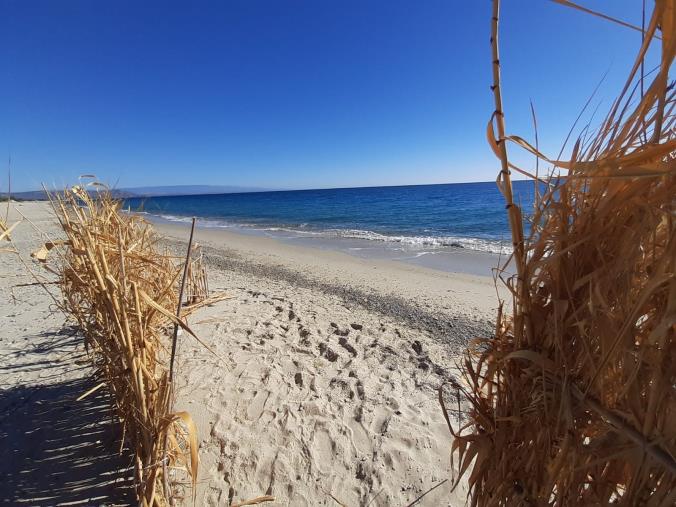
<point>32,195</point>
<point>188,190</point>
<point>39,195</point>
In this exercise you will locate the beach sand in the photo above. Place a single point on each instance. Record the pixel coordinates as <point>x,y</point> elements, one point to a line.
<point>325,392</point>
<point>54,450</point>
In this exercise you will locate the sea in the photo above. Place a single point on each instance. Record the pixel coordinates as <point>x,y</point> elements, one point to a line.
<point>423,224</point>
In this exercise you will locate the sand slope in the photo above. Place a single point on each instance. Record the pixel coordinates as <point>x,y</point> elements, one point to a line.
<point>320,400</point>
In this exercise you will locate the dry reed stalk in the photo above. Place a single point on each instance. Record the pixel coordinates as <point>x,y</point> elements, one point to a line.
<point>179,306</point>
<point>6,230</point>
<point>198,283</point>
<point>122,291</point>
<point>573,402</point>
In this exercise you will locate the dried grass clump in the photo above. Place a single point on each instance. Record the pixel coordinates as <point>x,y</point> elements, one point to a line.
<point>5,232</point>
<point>197,289</point>
<point>4,235</point>
<point>573,402</point>
<point>122,291</point>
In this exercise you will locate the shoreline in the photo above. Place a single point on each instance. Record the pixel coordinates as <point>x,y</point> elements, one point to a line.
<point>432,300</point>
<point>453,257</point>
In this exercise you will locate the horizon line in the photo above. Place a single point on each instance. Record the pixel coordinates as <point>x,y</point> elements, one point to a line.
<point>254,190</point>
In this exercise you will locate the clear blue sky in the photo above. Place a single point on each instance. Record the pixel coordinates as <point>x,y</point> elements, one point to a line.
<point>289,94</point>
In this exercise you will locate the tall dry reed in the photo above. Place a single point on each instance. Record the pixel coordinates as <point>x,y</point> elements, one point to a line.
<point>573,402</point>
<point>122,291</point>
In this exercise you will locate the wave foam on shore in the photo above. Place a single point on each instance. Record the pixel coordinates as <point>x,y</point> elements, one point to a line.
<point>495,246</point>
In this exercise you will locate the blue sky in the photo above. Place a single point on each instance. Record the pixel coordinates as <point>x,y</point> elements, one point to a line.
<point>296,94</point>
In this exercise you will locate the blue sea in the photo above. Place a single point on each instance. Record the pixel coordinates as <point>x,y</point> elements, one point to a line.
<point>409,221</point>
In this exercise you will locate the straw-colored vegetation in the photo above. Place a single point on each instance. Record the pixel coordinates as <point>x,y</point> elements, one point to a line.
<point>6,230</point>
<point>123,292</point>
<point>573,402</point>
<point>3,231</point>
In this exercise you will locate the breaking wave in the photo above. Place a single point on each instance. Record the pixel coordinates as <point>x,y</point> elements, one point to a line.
<point>428,241</point>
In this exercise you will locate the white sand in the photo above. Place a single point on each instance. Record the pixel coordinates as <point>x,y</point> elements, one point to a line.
<point>327,392</point>
<point>54,450</point>
<point>322,399</point>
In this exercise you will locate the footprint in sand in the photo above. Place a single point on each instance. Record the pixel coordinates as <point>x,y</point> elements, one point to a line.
<point>359,437</point>
<point>257,405</point>
<point>322,450</point>
<point>381,421</point>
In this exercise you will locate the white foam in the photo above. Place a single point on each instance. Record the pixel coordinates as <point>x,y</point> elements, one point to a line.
<point>483,245</point>
<point>434,242</point>
<point>173,218</point>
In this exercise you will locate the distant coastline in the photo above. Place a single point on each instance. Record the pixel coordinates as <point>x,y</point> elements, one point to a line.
<point>147,191</point>
<point>183,190</point>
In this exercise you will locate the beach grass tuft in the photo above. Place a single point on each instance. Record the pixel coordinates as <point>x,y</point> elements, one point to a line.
<point>573,401</point>
<point>122,290</point>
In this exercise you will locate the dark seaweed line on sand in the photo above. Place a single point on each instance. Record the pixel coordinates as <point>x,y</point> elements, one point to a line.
<point>457,330</point>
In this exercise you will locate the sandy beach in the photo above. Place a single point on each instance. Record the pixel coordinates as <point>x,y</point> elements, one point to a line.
<point>425,271</point>
<point>54,450</point>
<point>326,390</point>
<point>327,394</point>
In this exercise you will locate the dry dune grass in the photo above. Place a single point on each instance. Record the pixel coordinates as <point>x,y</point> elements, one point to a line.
<point>123,292</point>
<point>574,400</point>
<point>5,233</point>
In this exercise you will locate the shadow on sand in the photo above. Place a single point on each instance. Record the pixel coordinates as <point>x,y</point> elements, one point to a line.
<point>55,450</point>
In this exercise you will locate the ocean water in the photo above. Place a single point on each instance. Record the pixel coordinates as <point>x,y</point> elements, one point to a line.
<point>409,221</point>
